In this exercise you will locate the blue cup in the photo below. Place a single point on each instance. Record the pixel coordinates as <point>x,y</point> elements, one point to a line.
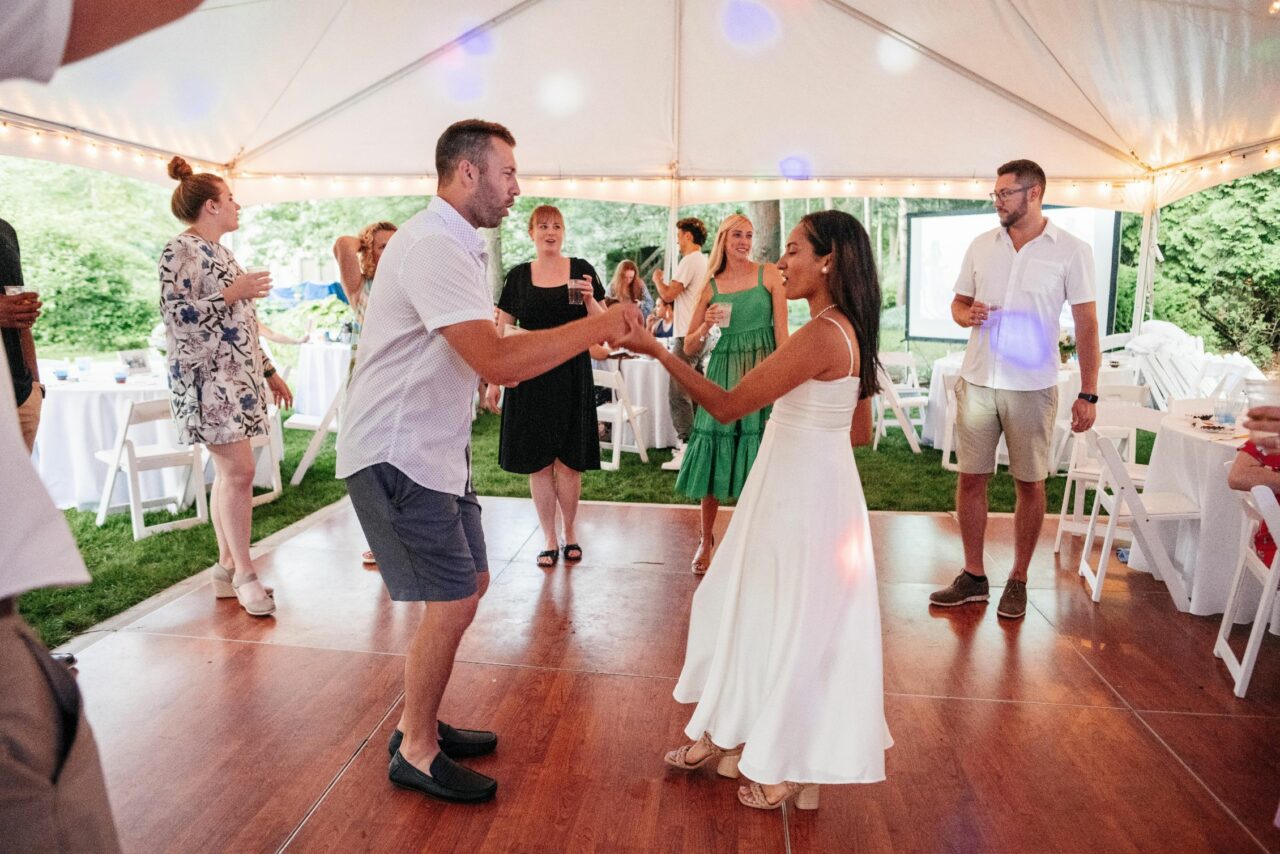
<point>60,373</point>
<point>121,376</point>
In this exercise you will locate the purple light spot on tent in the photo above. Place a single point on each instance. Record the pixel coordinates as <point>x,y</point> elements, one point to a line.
<point>464,85</point>
<point>477,42</point>
<point>195,99</point>
<point>748,24</point>
<point>796,166</point>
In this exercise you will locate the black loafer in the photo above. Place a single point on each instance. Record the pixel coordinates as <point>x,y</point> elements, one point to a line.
<point>456,743</point>
<point>448,780</point>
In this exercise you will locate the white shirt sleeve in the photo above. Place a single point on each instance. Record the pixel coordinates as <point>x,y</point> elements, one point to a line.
<point>33,37</point>
<point>443,284</point>
<point>1080,276</point>
<point>965,285</point>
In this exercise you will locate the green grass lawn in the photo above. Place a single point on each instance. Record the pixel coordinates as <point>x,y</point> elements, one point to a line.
<point>125,573</point>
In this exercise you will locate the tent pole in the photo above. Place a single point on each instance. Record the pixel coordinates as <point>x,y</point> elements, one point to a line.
<point>1147,249</point>
<point>673,209</point>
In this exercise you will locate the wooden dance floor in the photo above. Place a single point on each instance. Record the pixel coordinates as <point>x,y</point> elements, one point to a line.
<point>1083,727</point>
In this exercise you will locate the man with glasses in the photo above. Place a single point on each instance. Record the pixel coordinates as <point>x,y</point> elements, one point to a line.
<point>1010,293</point>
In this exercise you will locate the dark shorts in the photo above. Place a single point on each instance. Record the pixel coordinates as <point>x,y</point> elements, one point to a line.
<point>429,545</point>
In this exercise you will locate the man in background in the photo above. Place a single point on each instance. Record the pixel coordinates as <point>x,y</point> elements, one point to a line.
<point>682,295</point>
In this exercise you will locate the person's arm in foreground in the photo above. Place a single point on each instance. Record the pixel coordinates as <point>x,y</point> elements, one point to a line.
<point>507,361</point>
<point>97,25</point>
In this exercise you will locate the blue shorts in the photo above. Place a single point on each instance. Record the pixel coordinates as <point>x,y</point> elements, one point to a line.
<point>429,545</point>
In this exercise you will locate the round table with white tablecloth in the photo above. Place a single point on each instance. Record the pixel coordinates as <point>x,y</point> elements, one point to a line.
<point>647,384</point>
<point>83,416</point>
<point>1193,462</point>
<point>322,371</point>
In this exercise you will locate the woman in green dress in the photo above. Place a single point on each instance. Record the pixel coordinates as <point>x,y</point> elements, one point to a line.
<point>746,300</point>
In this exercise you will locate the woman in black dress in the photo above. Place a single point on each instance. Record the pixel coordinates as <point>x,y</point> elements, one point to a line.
<point>549,422</point>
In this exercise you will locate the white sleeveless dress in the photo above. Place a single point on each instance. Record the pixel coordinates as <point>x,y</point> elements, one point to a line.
<point>784,649</point>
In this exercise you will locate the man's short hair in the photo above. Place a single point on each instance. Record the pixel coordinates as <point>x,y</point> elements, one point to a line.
<point>1028,173</point>
<point>697,229</point>
<point>467,140</point>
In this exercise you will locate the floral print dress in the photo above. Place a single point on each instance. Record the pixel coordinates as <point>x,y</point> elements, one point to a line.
<point>215,361</point>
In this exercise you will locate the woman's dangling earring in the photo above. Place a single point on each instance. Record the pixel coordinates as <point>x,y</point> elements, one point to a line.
<point>824,271</point>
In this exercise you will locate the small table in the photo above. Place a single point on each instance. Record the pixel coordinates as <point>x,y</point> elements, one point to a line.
<point>1193,462</point>
<point>322,371</point>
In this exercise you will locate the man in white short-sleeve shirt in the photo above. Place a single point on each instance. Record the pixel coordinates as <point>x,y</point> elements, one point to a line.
<point>404,448</point>
<point>682,294</point>
<point>1010,292</point>
<point>37,36</point>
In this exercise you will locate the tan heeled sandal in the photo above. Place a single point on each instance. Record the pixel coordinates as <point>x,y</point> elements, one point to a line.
<point>264,607</point>
<point>726,766</point>
<point>220,579</point>
<point>805,796</point>
<point>702,558</point>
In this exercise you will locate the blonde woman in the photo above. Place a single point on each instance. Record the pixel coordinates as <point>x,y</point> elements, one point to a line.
<point>358,261</point>
<point>627,286</point>
<point>218,375</point>
<point>718,457</point>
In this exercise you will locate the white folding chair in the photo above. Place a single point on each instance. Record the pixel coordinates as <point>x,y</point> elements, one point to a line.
<point>1117,494</point>
<point>325,424</point>
<point>265,444</point>
<point>889,400</point>
<point>1191,406</point>
<point>949,430</point>
<point>619,413</point>
<point>1114,342</point>
<point>1119,422</point>
<point>1260,507</point>
<point>132,459</point>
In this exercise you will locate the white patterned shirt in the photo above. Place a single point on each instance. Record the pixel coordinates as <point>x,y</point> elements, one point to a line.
<point>33,37</point>
<point>410,398</point>
<point>1017,349</point>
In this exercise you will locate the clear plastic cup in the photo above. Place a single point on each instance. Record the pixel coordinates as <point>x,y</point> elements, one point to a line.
<point>13,290</point>
<point>726,313</point>
<point>1262,393</point>
<point>575,294</point>
<point>1226,410</point>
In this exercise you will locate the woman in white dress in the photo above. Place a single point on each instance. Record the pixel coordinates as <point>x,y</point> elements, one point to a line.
<point>784,658</point>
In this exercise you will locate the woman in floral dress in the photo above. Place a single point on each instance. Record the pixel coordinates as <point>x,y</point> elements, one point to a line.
<point>218,374</point>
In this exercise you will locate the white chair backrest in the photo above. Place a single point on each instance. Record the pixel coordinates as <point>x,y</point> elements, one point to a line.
<point>1114,474</point>
<point>902,362</point>
<point>141,412</point>
<point>608,379</point>
<point>1191,406</point>
<point>1112,413</point>
<point>1228,385</point>
<point>1124,393</point>
<point>1265,506</point>
<point>1115,342</point>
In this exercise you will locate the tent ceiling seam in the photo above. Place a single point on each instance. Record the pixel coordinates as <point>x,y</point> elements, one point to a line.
<point>1063,68</point>
<point>984,82</point>
<point>289,83</point>
<point>357,97</point>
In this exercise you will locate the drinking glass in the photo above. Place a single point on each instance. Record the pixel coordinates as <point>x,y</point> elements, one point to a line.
<point>1262,393</point>
<point>726,312</point>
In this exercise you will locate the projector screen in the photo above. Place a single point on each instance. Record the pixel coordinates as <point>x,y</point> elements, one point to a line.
<point>936,243</point>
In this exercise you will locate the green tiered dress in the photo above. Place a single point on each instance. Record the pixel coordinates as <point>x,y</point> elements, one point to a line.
<point>719,456</point>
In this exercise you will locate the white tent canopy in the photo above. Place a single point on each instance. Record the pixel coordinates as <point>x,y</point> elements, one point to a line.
<point>1124,102</point>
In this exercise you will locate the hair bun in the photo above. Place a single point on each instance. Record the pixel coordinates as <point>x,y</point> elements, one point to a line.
<point>179,169</point>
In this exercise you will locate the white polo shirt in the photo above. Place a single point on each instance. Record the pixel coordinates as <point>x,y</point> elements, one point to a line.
<point>1017,350</point>
<point>33,37</point>
<point>409,401</point>
<point>692,273</point>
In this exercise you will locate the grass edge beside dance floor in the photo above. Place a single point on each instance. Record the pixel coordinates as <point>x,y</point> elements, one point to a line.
<point>127,572</point>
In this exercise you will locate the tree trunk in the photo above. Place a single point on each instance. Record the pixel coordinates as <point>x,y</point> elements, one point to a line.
<point>493,245</point>
<point>766,216</point>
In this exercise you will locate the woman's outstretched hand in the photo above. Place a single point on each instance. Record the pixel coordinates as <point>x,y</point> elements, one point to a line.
<point>639,340</point>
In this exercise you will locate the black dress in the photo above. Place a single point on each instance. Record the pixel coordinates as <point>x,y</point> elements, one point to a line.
<point>553,415</point>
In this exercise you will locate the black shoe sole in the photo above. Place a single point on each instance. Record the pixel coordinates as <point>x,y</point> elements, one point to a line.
<point>983,598</point>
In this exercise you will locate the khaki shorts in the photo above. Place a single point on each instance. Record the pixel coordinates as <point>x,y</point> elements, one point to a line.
<point>1025,418</point>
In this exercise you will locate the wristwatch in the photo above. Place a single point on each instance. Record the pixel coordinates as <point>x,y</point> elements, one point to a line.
<point>1088,398</point>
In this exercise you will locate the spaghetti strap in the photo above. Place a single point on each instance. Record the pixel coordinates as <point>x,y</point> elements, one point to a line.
<point>715,291</point>
<point>847,342</point>
<point>759,275</point>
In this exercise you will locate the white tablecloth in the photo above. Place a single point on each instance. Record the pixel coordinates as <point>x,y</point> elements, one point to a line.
<point>948,367</point>
<point>322,371</point>
<point>647,384</point>
<point>81,418</point>
<point>1191,461</point>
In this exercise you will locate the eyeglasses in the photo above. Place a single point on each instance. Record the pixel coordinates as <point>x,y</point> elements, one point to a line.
<point>1006,194</point>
